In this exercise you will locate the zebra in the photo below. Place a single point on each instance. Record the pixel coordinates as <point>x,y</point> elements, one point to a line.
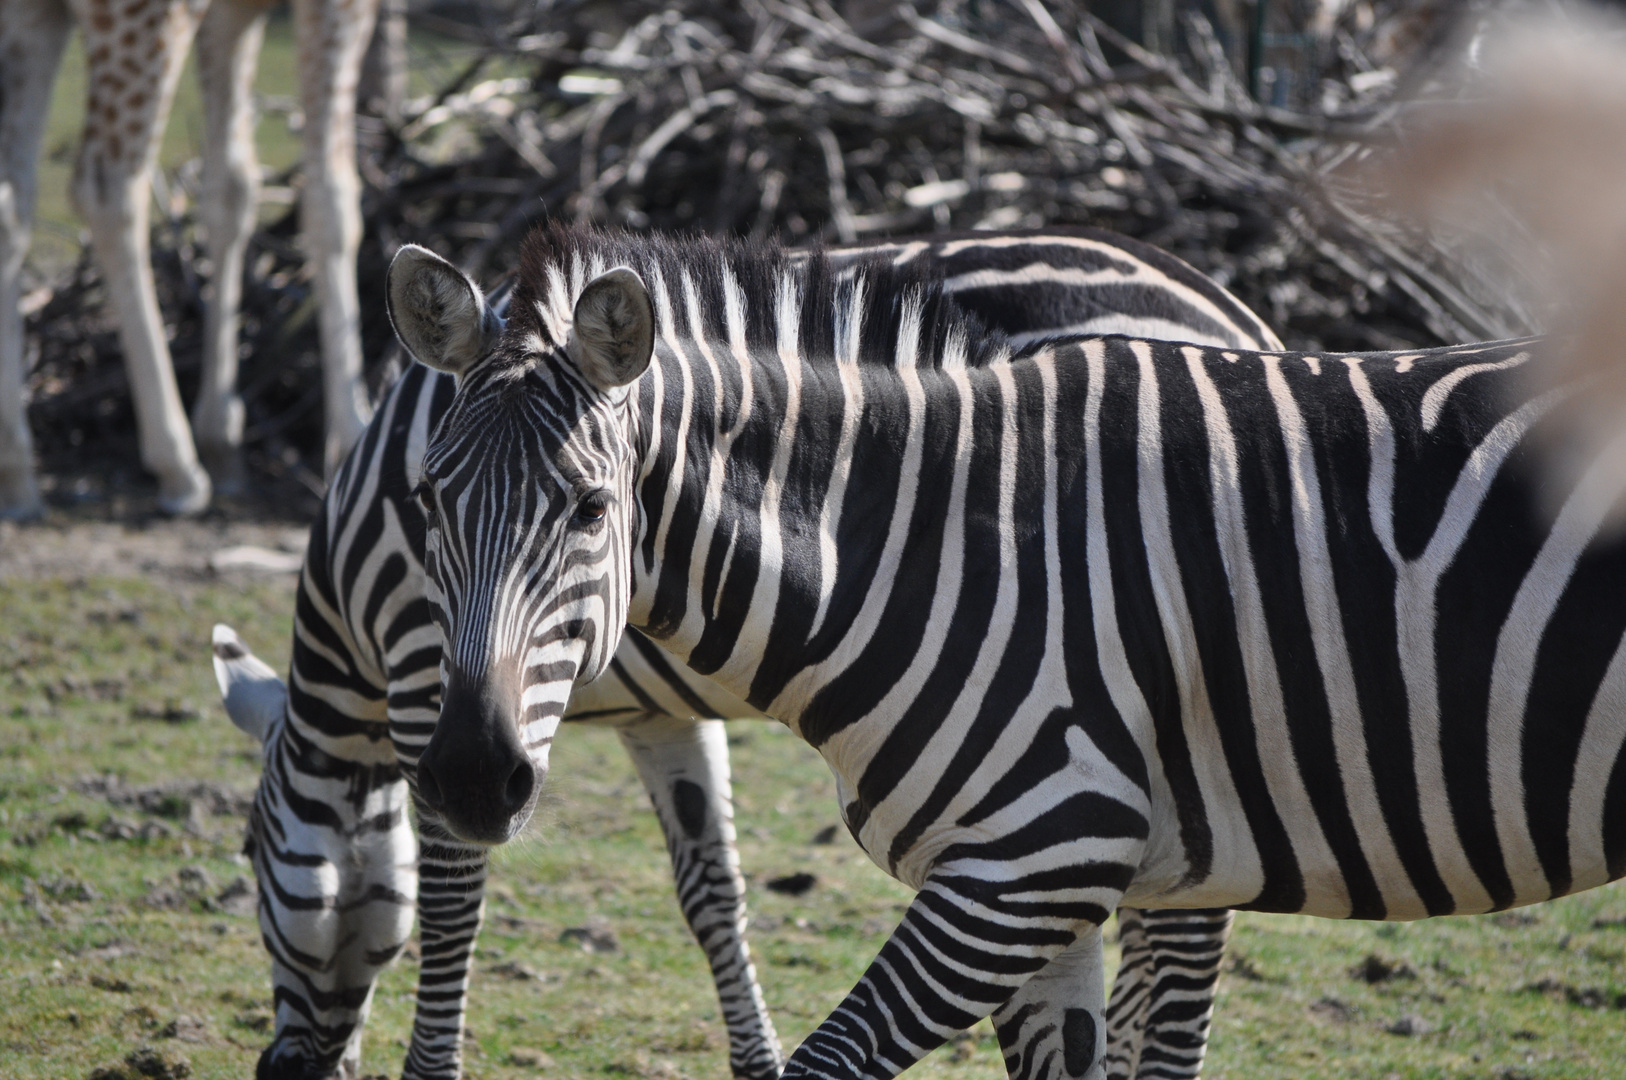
<point>364,645</point>
<point>1175,627</point>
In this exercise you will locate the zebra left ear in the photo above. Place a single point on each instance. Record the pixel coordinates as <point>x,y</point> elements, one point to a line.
<point>613,336</point>
<point>437,311</point>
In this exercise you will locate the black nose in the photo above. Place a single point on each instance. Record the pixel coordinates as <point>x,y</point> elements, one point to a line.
<point>475,775</point>
<point>428,786</point>
<point>517,792</point>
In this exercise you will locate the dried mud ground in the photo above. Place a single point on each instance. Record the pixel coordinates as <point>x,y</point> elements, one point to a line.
<point>128,943</point>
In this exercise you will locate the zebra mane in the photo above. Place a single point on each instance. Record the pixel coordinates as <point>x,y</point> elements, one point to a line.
<point>891,303</point>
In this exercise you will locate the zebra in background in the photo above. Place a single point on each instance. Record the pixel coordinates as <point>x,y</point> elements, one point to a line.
<point>1168,626</point>
<point>366,661</point>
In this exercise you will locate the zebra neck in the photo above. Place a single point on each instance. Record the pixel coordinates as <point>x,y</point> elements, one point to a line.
<point>779,499</point>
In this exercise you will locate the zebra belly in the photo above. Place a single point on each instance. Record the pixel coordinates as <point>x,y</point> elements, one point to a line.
<point>1552,824</point>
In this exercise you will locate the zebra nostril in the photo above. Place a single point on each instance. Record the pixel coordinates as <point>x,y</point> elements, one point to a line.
<point>429,788</point>
<point>517,792</point>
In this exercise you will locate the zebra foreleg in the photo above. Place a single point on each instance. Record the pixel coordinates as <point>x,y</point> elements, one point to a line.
<point>968,948</point>
<point>451,906</point>
<point>1051,1027</point>
<point>334,857</point>
<point>684,766</point>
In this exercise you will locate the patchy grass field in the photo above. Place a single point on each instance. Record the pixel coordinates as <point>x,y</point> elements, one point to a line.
<point>121,792</point>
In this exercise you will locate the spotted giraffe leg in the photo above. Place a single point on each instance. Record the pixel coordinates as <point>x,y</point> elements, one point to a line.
<point>1131,996</point>
<point>684,766</point>
<point>1186,948</point>
<point>133,57</point>
<point>228,53</point>
<point>32,34</point>
<point>333,37</point>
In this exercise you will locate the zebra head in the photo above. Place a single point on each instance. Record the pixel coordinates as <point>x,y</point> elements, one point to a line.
<point>527,486</point>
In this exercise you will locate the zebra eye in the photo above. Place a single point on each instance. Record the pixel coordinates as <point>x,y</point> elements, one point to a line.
<point>593,506</point>
<point>426,499</point>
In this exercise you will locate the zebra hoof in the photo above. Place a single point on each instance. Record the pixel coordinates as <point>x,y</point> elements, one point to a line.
<point>290,1067</point>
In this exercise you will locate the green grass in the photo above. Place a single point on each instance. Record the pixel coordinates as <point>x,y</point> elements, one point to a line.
<point>106,942</point>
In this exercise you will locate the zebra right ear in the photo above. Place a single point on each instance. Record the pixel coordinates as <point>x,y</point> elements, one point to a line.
<point>612,337</point>
<point>438,312</point>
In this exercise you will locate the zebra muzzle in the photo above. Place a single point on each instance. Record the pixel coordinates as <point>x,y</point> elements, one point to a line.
<point>475,774</point>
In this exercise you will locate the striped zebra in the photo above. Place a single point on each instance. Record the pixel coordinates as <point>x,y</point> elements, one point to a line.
<point>366,658</point>
<point>1096,621</point>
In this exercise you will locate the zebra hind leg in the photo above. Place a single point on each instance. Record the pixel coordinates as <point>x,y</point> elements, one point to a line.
<point>1186,949</point>
<point>684,766</point>
<point>1131,996</point>
<point>336,899</point>
<point>333,854</point>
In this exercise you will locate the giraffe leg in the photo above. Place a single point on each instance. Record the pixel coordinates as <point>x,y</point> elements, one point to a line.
<point>132,72</point>
<point>333,38</point>
<point>228,53</point>
<point>336,898</point>
<point>1131,995</point>
<point>32,34</point>
<point>684,766</point>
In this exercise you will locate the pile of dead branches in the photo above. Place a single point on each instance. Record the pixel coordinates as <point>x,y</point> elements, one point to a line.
<point>789,119</point>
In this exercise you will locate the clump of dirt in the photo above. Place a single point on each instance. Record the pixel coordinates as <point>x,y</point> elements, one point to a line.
<point>1377,969</point>
<point>146,1063</point>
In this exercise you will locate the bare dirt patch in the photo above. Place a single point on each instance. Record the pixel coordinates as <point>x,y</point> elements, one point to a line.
<point>66,545</point>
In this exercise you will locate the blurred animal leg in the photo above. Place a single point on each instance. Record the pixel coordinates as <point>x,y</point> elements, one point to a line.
<point>333,38</point>
<point>32,34</point>
<point>228,53</point>
<point>132,79</point>
<point>1186,949</point>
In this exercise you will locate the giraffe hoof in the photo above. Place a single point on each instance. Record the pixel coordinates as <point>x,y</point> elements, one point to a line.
<point>227,472</point>
<point>19,497</point>
<point>186,495</point>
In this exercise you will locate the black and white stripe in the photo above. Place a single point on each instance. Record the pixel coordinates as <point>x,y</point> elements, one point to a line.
<point>365,652</point>
<point>1103,619</point>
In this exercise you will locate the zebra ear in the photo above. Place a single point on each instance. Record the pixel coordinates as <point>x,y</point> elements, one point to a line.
<point>613,336</point>
<point>438,312</point>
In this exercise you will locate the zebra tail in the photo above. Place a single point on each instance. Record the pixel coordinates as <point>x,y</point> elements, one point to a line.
<point>255,698</point>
